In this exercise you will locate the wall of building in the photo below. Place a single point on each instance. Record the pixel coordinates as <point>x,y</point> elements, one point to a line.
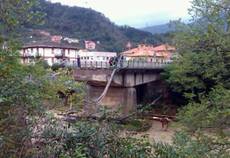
<point>70,55</point>
<point>96,56</point>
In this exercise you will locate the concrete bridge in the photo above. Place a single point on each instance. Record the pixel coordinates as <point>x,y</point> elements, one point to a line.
<point>135,82</point>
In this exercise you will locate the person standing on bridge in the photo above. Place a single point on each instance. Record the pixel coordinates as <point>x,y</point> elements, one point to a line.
<point>121,61</point>
<point>78,61</point>
<point>111,61</point>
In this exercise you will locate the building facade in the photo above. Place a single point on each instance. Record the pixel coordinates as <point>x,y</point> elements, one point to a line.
<point>96,56</point>
<point>59,54</point>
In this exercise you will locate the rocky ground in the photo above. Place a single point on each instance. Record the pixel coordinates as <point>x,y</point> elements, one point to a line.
<point>155,133</point>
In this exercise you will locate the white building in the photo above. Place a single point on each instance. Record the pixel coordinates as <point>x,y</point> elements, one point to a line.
<point>96,56</point>
<point>58,53</point>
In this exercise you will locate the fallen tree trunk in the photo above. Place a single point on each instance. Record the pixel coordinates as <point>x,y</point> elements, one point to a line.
<point>134,113</point>
<point>150,115</point>
<point>72,118</point>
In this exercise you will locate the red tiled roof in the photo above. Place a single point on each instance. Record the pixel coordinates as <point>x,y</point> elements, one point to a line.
<point>148,51</point>
<point>164,47</point>
<point>140,51</point>
<point>165,50</point>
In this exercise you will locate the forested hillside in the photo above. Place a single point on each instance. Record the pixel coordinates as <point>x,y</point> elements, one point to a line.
<point>87,24</point>
<point>157,29</point>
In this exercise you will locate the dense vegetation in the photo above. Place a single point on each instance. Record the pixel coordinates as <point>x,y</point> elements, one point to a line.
<point>201,74</point>
<point>30,93</point>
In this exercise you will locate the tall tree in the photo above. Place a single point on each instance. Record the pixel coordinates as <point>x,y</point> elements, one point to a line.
<point>204,50</point>
<point>21,88</point>
<point>202,74</point>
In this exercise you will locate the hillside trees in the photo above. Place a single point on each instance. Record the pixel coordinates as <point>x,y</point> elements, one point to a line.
<point>15,14</point>
<point>87,24</point>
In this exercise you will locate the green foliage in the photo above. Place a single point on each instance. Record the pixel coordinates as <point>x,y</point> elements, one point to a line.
<point>204,50</point>
<point>56,66</point>
<point>198,146</point>
<point>21,94</point>
<point>73,92</point>
<point>14,14</point>
<point>93,140</point>
<point>17,12</point>
<point>25,92</point>
<point>196,73</point>
<point>201,74</point>
<point>213,111</point>
<point>43,63</point>
<point>21,87</point>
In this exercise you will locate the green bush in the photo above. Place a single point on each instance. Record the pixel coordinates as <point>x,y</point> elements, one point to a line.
<point>93,140</point>
<point>57,66</point>
<point>199,146</point>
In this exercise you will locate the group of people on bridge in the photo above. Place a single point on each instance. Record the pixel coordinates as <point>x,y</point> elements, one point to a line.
<point>113,61</point>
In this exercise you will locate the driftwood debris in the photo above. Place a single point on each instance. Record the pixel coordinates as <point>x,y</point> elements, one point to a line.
<point>142,107</point>
<point>72,117</point>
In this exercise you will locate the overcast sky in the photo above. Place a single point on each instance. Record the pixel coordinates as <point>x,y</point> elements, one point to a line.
<point>136,13</point>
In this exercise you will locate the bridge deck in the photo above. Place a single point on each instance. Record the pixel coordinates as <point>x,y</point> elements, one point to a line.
<point>122,65</point>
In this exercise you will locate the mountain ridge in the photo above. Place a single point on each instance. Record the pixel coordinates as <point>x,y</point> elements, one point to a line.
<point>158,29</point>
<point>87,24</point>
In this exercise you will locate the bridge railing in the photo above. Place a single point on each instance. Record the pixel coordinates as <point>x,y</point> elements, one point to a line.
<point>124,64</point>
<point>142,64</point>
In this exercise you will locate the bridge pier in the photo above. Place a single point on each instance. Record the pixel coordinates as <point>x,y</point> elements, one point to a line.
<point>128,88</point>
<point>121,98</point>
<point>130,100</point>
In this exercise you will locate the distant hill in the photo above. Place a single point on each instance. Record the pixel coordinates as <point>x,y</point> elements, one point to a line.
<point>158,29</point>
<point>85,24</point>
